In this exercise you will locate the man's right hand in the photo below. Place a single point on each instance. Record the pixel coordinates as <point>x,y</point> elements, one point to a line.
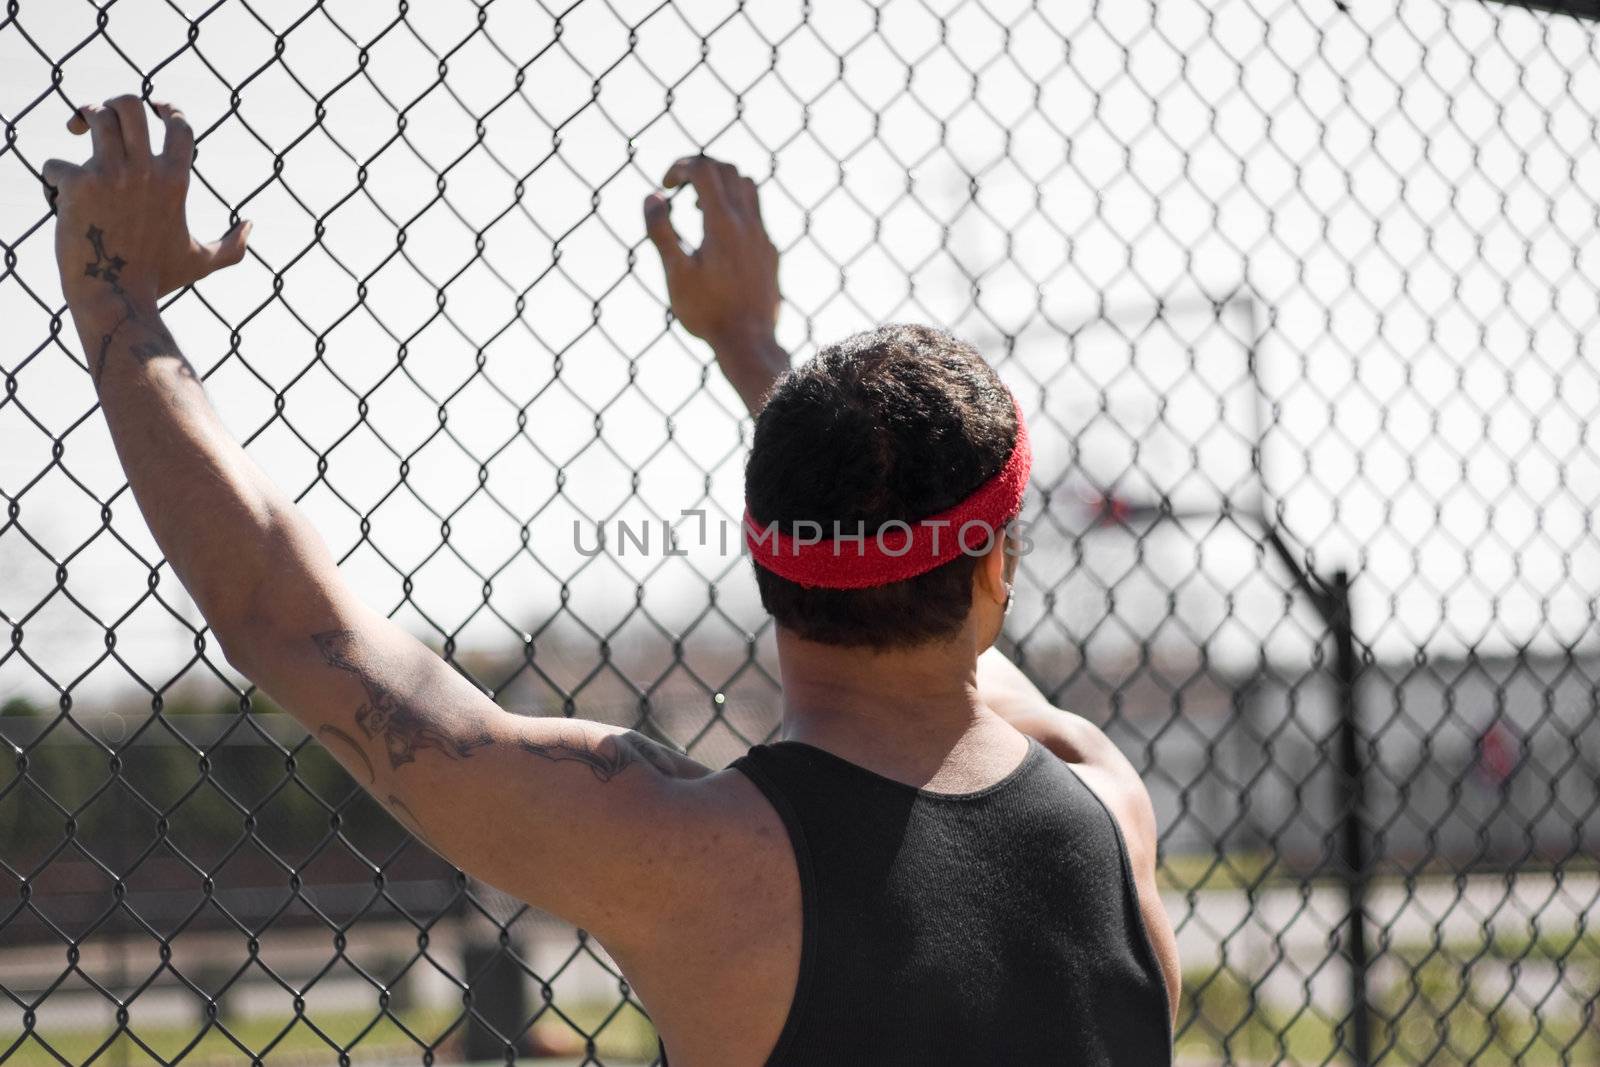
<point>121,233</point>
<point>726,291</point>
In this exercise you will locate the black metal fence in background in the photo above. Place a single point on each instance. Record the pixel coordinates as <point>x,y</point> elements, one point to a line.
<point>1297,297</point>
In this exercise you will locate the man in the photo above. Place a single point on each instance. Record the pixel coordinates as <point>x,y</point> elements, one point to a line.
<point>910,877</point>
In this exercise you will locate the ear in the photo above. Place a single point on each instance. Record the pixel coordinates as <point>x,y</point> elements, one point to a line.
<point>991,579</point>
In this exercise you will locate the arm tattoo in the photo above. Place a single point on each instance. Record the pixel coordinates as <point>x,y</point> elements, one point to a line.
<point>105,348</point>
<point>403,728</point>
<point>161,345</point>
<point>608,756</point>
<point>108,268</point>
<point>408,819</point>
<point>330,730</point>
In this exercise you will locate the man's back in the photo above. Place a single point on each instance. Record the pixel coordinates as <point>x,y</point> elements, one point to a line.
<point>996,925</point>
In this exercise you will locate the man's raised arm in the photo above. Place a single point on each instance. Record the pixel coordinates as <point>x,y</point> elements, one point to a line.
<point>726,291</point>
<point>564,813</point>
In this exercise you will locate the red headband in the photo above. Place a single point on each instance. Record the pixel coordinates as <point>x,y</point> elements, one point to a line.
<point>896,551</point>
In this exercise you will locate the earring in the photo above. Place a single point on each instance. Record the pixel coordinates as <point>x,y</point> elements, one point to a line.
<point>1011,597</point>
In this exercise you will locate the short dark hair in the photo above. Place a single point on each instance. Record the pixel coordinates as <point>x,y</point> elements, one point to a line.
<point>897,423</point>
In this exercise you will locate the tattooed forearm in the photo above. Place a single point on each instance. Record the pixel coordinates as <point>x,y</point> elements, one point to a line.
<point>156,343</point>
<point>350,744</point>
<point>608,756</point>
<point>391,719</point>
<point>107,268</point>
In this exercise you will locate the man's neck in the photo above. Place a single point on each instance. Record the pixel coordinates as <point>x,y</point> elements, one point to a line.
<point>912,714</point>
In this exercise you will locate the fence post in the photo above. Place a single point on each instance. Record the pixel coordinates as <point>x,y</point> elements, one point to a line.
<point>1352,793</point>
<point>499,1009</point>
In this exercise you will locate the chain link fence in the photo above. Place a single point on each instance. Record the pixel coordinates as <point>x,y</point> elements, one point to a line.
<point>1297,298</point>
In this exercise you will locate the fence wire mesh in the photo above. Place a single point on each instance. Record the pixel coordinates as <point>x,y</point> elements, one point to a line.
<point>1297,298</point>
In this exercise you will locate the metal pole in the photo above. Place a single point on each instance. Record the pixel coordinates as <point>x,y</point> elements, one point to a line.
<point>1352,843</point>
<point>494,1030</point>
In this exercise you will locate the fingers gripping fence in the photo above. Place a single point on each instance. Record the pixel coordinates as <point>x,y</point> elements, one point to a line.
<point>1297,298</point>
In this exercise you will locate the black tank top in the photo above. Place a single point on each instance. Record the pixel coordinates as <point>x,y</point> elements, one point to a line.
<point>987,928</point>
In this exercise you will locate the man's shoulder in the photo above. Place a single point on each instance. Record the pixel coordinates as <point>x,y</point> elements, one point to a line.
<point>721,936</point>
<point>720,842</point>
<point>1103,767</point>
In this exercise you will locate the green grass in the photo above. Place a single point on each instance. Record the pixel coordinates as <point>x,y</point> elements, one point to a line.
<point>620,1036</point>
<point>1436,1013</point>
